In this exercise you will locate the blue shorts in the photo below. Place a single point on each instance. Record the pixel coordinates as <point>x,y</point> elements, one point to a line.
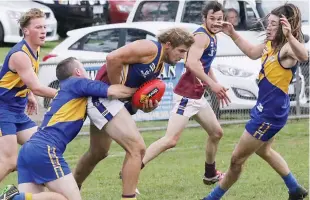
<point>12,123</point>
<point>261,129</point>
<point>40,163</point>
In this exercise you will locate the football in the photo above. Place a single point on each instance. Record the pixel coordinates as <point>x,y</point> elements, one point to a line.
<point>151,90</point>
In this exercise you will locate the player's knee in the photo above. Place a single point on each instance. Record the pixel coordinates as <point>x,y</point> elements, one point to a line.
<point>217,134</point>
<point>236,164</point>
<point>137,149</point>
<point>97,155</point>
<point>172,142</point>
<point>264,153</point>
<point>9,163</point>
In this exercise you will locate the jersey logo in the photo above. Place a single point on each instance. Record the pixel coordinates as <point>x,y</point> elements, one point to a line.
<point>149,71</point>
<point>260,107</point>
<point>213,50</point>
<point>272,58</point>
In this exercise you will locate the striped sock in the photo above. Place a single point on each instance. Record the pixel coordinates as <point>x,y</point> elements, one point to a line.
<point>23,196</point>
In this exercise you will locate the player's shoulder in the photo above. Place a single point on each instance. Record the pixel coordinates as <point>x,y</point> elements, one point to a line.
<point>147,45</point>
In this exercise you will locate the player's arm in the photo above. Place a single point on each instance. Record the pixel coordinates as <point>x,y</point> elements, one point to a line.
<point>295,49</point>
<point>194,65</point>
<point>212,75</point>
<point>140,51</point>
<point>87,87</point>
<point>21,63</point>
<point>252,51</point>
<point>193,58</point>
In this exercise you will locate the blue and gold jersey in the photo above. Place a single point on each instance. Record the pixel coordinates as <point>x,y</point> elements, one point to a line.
<point>13,92</point>
<point>273,102</point>
<point>64,119</point>
<point>210,51</point>
<point>134,75</point>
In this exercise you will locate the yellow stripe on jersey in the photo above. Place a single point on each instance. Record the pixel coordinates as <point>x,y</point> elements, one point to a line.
<point>159,63</point>
<point>35,62</point>
<point>273,71</point>
<point>124,74</point>
<point>211,34</point>
<point>71,111</point>
<point>10,80</point>
<point>22,93</point>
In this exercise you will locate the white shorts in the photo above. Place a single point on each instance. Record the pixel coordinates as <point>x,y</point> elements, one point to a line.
<point>188,107</point>
<point>101,110</point>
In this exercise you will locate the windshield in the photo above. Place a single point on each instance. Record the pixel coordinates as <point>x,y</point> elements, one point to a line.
<point>302,5</point>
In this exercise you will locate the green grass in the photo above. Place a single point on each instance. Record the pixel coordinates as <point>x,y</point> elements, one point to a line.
<point>44,50</point>
<point>177,173</point>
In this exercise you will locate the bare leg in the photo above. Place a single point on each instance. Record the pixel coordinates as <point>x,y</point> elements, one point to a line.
<point>100,143</point>
<point>175,127</point>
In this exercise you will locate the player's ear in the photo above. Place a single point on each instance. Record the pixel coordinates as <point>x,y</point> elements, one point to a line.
<point>168,45</point>
<point>77,71</point>
<point>25,31</point>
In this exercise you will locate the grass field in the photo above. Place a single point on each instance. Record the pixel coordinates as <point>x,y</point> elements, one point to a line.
<point>177,173</point>
<point>44,50</point>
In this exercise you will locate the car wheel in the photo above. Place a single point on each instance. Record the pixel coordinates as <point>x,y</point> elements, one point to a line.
<point>1,34</point>
<point>47,101</point>
<point>214,103</point>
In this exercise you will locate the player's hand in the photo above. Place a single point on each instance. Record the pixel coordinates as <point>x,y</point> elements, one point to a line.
<point>149,106</point>
<point>220,92</point>
<point>32,105</point>
<point>119,91</point>
<point>286,26</point>
<point>226,27</point>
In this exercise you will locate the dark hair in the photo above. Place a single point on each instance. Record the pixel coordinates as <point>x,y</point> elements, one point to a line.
<point>65,68</point>
<point>213,5</point>
<point>293,15</point>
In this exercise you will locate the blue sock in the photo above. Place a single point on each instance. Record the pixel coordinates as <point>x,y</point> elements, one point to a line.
<point>20,196</point>
<point>290,182</point>
<point>216,194</point>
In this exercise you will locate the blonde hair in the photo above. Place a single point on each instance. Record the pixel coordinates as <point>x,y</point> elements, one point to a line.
<point>33,13</point>
<point>177,37</point>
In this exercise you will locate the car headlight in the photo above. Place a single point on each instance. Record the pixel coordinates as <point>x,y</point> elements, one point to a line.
<point>124,8</point>
<point>233,71</point>
<point>14,14</point>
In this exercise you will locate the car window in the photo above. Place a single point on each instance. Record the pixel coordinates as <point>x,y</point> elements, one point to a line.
<point>102,41</point>
<point>242,16</point>
<point>157,11</point>
<point>192,12</point>
<point>252,21</point>
<point>138,34</point>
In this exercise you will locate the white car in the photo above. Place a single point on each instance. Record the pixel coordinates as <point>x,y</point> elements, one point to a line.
<point>10,12</point>
<point>91,45</point>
